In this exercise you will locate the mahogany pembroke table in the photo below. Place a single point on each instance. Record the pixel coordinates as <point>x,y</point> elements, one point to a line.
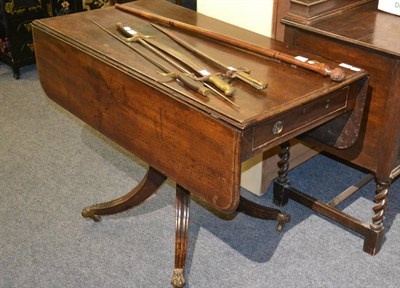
<point>199,142</point>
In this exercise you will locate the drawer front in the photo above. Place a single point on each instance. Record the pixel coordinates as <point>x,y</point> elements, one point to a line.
<point>293,121</point>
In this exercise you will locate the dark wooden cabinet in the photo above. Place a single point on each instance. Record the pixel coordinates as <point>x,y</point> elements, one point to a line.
<point>16,45</point>
<point>362,36</point>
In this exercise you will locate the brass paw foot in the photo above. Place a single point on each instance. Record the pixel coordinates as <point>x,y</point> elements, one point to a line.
<point>88,212</point>
<point>178,279</point>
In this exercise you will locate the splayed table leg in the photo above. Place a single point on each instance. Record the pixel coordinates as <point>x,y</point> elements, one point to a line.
<point>147,187</point>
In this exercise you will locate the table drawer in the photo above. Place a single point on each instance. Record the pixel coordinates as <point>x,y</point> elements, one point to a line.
<point>293,121</point>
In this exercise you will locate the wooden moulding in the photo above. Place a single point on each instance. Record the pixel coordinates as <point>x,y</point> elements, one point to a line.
<point>307,11</point>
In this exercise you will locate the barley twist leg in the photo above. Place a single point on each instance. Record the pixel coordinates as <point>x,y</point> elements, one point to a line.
<point>382,191</point>
<point>280,195</point>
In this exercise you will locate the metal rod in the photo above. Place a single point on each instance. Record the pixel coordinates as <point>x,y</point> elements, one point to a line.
<point>230,72</point>
<point>181,78</point>
<point>146,40</point>
<point>153,61</point>
<point>176,65</point>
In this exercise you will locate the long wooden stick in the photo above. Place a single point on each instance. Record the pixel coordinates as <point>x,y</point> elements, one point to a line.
<point>336,74</point>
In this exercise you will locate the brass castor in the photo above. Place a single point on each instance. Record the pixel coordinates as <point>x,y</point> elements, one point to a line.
<point>88,212</point>
<point>282,220</point>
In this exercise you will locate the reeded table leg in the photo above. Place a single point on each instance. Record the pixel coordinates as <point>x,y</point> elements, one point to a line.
<point>147,187</point>
<point>182,231</point>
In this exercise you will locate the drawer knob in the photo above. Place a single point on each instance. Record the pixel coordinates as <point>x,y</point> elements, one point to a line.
<point>327,104</point>
<point>277,128</point>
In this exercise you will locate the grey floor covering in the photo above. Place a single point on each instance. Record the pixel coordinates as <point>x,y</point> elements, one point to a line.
<point>52,165</point>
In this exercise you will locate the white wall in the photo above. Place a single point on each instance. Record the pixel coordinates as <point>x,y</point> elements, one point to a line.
<point>254,15</point>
